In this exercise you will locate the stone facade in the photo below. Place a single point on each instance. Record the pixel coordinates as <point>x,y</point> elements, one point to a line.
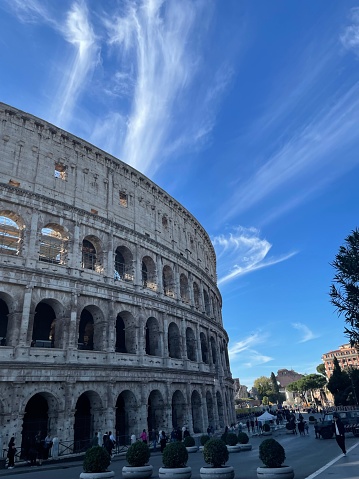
<point>110,315</point>
<point>347,356</point>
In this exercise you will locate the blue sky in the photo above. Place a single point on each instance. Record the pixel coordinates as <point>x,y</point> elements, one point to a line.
<point>246,111</point>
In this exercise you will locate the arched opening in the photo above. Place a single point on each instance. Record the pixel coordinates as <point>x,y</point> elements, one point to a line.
<point>196,412</point>
<point>126,412</point>
<point>153,346</point>
<point>125,333</point>
<point>53,245</point>
<point>206,302</point>
<point>220,409</point>
<point>167,280</point>
<point>120,346</point>
<point>43,333</point>
<point>184,291</point>
<point>178,410</point>
<point>204,348</point>
<point>174,341</point>
<point>123,264</point>
<point>36,419</point>
<point>155,409</point>
<point>210,410</point>
<point>196,295</point>
<point>92,254</point>
<point>191,345</point>
<point>86,331</point>
<point>4,312</point>
<point>10,233</point>
<point>213,349</point>
<point>83,427</point>
<point>149,273</point>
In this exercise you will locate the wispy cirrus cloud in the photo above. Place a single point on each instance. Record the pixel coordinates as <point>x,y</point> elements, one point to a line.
<point>241,252</point>
<point>350,36</point>
<point>307,334</point>
<point>243,350</point>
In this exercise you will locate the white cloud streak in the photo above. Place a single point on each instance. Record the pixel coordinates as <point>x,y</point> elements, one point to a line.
<point>243,350</point>
<point>307,334</point>
<point>241,252</point>
<point>350,36</point>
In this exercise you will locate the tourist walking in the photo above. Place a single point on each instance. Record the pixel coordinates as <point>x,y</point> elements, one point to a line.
<point>95,440</point>
<point>163,440</point>
<point>338,429</point>
<point>47,445</point>
<point>11,453</point>
<point>153,439</point>
<point>39,448</point>
<point>143,436</point>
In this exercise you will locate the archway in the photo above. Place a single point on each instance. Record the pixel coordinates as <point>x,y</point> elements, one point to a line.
<point>204,348</point>
<point>153,344</point>
<point>155,418</point>
<point>43,332</point>
<point>83,426</point>
<point>126,412</point>
<point>178,410</point>
<point>196,412</point>
<point>220,409</point>
<point>174,341</point>
<point>86,330</point>
<point>210,410</point>
<point>191,345</point>
<point>4,311</point>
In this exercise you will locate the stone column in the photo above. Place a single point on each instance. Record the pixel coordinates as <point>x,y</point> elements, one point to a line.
<point>25,318</point>
<point>33,241</point>
<point>138,268</point>
<point>111,342</point>
<point>159,267</point>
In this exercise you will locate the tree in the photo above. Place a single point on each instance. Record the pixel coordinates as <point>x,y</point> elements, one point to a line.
<point>310,383</point>
<point>264,386</point>
<point>339,384</point>
<point>276,396</point>
<point>345,294</point>
<point>321,369</point>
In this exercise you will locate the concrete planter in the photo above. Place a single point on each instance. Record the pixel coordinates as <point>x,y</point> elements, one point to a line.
<point>97,475</point>
<point>137,472</point>
<point>175,472</point>
<point>236,448</point>
<point>283,472</point>
<point>224,472</point>
<point>245,447</point>
<point>192,449</point>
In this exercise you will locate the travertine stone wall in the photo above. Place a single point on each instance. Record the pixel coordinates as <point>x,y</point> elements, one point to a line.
<point>108,295</point>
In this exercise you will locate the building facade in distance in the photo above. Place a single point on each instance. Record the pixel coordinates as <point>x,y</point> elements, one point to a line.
<point>346,355</point>
<point>110,315</point>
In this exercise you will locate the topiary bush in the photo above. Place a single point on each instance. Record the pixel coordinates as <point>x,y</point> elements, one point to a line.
<point>231,439</point>
<point>96,459</point>
<point>215,452</point>
<point>271,453</point>
<point>204,438</point>
<point>311,418</point>
<point>175,455</point>
<point>243,438</point>
<point>266,427</point>
<point>138,454</point>
<point>189,441</point>
<point>290,426</point>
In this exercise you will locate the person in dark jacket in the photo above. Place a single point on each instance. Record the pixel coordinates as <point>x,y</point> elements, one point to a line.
<point>338,429</point>
<point>11,453</point>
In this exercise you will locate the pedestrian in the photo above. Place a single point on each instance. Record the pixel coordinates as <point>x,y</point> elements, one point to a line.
<point>112,440</point>
<point>252,425</point>
<point>186,433</point>
<point>105,439</point>
<point>248,426</point>
<point>163,440</point>
<point>338,429</point>
<point>39,448</point>
<point>133,438</point>
<point>95,440</point>
<point>143,436</point>
<point>11,453</point>
<point>153,439</point>
<point>47,445</point>
<point>306,427</point>
<point>173,435</point>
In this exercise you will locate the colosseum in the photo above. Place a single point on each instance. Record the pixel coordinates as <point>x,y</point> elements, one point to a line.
<point>110,315</point>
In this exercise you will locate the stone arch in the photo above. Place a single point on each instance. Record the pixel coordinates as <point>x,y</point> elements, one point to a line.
<point>44,330</point>
<point>153,343</point>
<point>123,264</point>
<point>40,414</point>
<point>204,348</point>
<point>149,273</point>
<point>196,295</point>
<point>178,409</point>
<point>206,302</point>
<point>155,409</point>
<point>53,244</point>
<point>91,328</point>
<point>125,333</point>
<point>4,317</point>
<point>191,344</point>
<point>184,290</point>
<point>226,355</point>
<point>220,409</point>
<point>196,406</point>
<point>11,233</point>
<point>213,350</point>
<point>87,419</point>
<point>168,281</point>
<point>210,409</point>
<point>126,416</point>
<point>92,254</point>
<point>174,341</point>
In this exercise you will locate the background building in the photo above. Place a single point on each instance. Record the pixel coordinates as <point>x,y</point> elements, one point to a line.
<point>110,315</point>
<point>346,355</point>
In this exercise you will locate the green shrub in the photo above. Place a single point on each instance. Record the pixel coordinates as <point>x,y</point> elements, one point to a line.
<point>188,441</point>
<point>266,427</point>
<point>311,418</point>
<point>215,452</point>
<point>290,426</point>
<point>138,454</point>
<point>96,459</point>
<point>243,438</point>
<point>231,439</point>
<point>175,455</point>
<point>271,453</point>
<point>204,438</point>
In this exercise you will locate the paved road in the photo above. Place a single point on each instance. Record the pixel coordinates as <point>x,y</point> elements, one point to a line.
<point>306,455</point>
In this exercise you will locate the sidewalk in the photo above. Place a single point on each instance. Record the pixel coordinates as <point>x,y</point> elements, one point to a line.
<point>342,467</point>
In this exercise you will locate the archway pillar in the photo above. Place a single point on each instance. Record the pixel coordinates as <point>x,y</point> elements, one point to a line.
<point>13,328</point>
<point>25,331</point>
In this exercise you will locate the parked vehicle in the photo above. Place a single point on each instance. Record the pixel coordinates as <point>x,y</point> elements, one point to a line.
<point>349,416</point>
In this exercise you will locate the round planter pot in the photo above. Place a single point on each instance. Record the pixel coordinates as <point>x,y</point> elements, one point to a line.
<point>236,448</point>
<point>246,447</point>
<point>175,473</point>
<point>284,472</point>
<point>140,472</point>
<point>201,448</point>
<point>224,472</point>
<point>192,449</point>
<point>97,475</point>
<point>266,433</point>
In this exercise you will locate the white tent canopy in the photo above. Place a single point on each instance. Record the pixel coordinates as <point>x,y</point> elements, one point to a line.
<point>266,417</point>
